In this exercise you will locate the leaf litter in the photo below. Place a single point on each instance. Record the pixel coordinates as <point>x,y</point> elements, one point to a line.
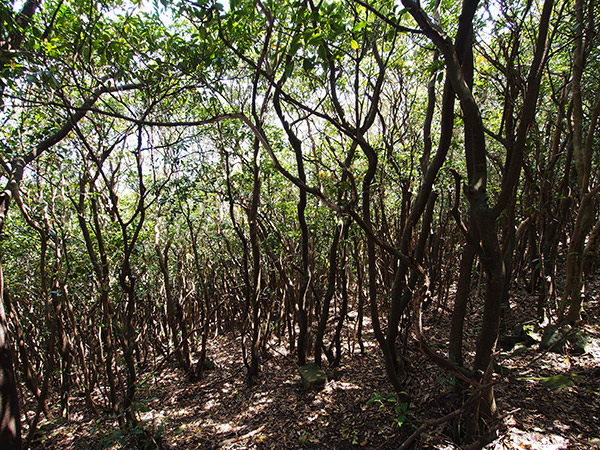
<point>547,401</point>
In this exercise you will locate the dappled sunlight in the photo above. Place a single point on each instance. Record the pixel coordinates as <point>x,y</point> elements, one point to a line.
<point>535,439</point>
<point>209,404</point>
<point>277,412</point>
<point>225,428</point>
<point>226,389</point>
<point>299,225</point>
<point>341,385</point>
<point>221,412</point>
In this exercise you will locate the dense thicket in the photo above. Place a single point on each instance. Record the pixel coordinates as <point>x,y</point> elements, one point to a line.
<point>268,168</point>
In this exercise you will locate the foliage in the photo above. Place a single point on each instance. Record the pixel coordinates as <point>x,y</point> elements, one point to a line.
<point>183,169</point>
<point>400,410</point>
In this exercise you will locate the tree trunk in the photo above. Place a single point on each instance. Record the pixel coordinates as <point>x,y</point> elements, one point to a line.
<point>571,304</point>
<point>10,418</point>
<point>461,301</point>
<point>174,324</point>
<point>331,278</point>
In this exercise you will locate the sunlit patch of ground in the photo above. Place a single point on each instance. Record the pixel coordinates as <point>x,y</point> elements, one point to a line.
<point>532,440</point>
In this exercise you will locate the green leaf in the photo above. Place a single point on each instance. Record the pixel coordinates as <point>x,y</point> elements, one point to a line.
<point>289,68</point>
<point>316,39</point>
<point>308,64</point>
<point>359,26</point>
<point>354,44</point>
<point>555,381</point>
<point>295,44</point>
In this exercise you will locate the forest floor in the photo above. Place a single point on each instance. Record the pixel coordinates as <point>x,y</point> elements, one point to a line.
<point>546,400</point>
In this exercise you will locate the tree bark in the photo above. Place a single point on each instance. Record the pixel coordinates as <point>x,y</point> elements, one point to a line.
<point>10,418</point>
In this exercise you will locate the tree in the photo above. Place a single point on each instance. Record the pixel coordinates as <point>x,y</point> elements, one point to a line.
<point>582,140</point>
<point>263,168</point>
<point>64,117</point>
<point>483,217</point>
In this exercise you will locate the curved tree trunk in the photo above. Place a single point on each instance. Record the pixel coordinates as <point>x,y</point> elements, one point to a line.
<point>571,304</point>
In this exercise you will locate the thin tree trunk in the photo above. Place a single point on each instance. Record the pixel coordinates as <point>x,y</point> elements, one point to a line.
<point>461,301</point>
<point>331,279</point>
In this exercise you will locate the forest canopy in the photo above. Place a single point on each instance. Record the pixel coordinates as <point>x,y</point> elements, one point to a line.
<point>300,171</point>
